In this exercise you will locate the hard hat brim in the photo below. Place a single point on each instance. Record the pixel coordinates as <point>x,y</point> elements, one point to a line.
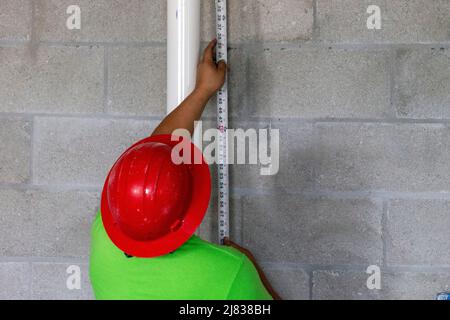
<point>201,193</point>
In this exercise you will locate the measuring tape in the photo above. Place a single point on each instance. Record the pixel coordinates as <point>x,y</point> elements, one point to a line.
<point>222,125</point>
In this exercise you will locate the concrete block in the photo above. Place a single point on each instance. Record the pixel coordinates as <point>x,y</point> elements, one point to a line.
<point>415,286</point>
<point>319,83</point>
<point>15,150</point>
<point>297,159</point>
<point>103,21</point>
<point>267,21</point>
<point>417,232</point>
<point>137,81</point>
<point>51,79</point>
<point>422,83</point>
<point>413,21</point>
<point>341,285</point>
<point>15,20</point>
<point>50,282</point>
<point>396,157</point>
<point>292,228</point>
<point>38,223</point>
<point>14,277</point>
<point>334,285</point>
<point>289,284</point>
<point>79,151</point>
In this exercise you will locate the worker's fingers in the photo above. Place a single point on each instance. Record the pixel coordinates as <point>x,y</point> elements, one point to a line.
<point>222,67</point>
<point>230,243</point>
<point>227,242</point>
<point>208,53</point>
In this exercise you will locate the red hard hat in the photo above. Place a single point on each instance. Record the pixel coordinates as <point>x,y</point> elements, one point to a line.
<point>150,205</point>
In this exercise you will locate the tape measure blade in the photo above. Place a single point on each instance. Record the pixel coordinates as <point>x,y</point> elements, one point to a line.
<point>222,124</point>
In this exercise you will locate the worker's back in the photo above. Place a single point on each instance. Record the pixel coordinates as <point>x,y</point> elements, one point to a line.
<point>196,270</point>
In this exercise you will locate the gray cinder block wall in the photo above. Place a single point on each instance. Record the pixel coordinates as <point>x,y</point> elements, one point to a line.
<point>364,120</point>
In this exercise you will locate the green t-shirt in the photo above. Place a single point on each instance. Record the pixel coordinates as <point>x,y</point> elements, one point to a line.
<point>198,270</point>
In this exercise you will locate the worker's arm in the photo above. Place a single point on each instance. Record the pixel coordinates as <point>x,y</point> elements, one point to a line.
<point>261,274</point>
<point>210,78</point>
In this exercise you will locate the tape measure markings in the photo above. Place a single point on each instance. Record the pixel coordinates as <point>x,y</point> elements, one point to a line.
<point>222,124</point>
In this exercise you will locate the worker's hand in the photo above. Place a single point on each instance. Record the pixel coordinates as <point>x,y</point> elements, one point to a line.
<point>210,75</point>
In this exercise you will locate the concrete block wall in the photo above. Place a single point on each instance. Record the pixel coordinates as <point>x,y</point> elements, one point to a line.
<point>364,119</point>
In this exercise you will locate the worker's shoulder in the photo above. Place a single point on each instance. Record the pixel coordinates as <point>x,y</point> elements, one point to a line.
<point>214,251</point>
